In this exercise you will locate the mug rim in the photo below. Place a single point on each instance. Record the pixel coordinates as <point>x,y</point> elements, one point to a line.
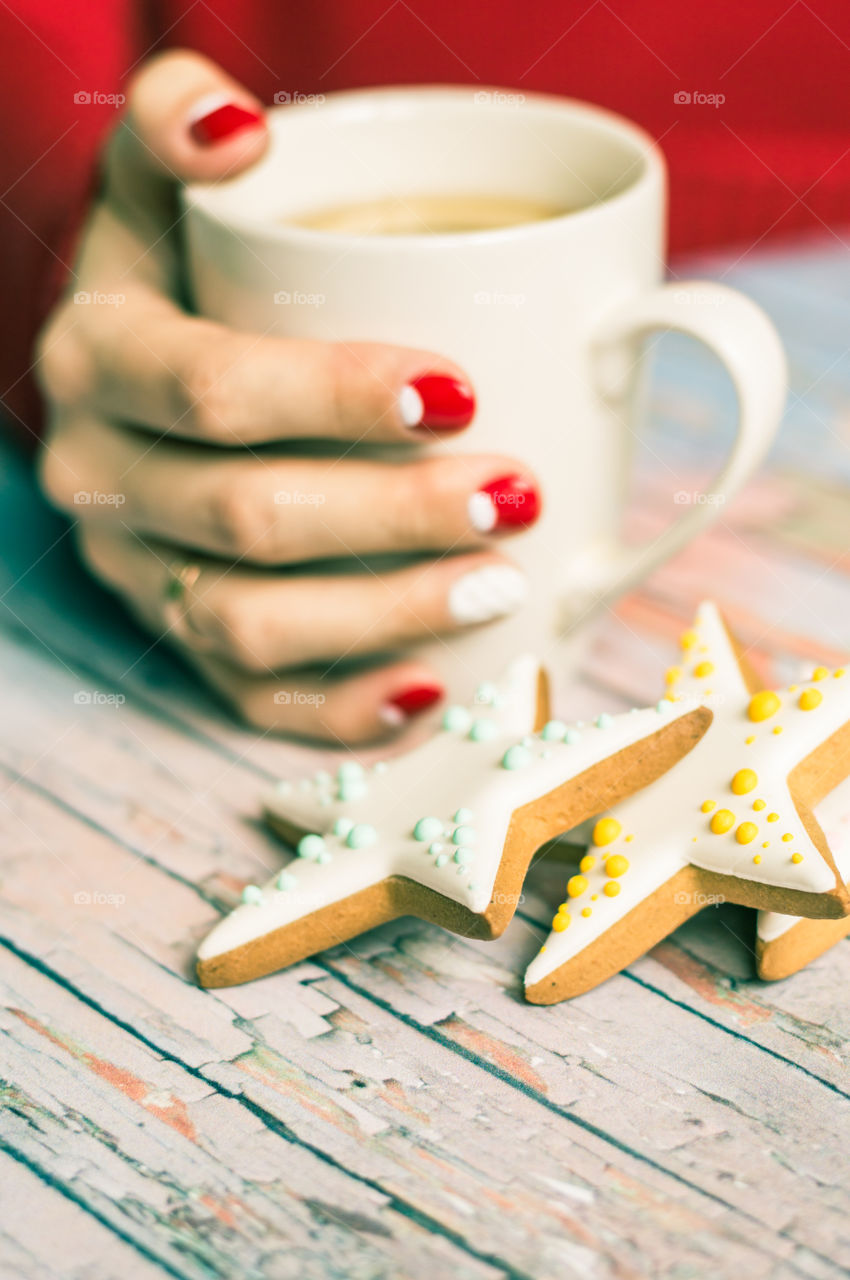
<point>200,197</point>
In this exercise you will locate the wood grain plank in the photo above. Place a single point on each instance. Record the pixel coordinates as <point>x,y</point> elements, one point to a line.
<point>175,1165</point>
<point>299,1082</point>
<point>46,1235</point>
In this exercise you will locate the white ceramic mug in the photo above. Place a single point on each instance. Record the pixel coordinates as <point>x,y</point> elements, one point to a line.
<point>547,318</point>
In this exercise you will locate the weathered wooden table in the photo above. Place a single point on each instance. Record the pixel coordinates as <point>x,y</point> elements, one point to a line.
<point>393,1108</point>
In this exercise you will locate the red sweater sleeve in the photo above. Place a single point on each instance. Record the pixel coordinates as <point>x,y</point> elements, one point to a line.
<point>749,102</point>
<point>62,67</point>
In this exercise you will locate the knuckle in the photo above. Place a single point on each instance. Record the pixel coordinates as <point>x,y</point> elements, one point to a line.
<point>241,635</point>
<point>240,517</point>
<point>213,394</point>
<point>234,516</point>
<point>423,498</point>
<point>64,368</point>
<point>59,471</point>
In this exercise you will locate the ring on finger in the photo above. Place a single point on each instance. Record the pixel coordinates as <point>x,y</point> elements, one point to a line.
<point>182,578</point>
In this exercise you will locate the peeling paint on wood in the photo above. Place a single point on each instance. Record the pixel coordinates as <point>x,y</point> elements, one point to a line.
<point>392,1108</point>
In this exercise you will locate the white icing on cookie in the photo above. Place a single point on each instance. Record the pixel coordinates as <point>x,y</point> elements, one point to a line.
<point>467,781</point>
<point>724,807</point>
<point>833,814</point>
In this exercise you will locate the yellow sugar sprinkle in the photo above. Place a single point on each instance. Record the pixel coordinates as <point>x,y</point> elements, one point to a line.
<point>773,817</point>
<point>688,639</point>
<point>586,911</point>
<point>796,857</point>
<point>809,699</point>
<point>757,858</point>
<point>587,863</point>
<point>561,922</point>
<point>672,674</point>
<point>593,897</point>
<point>787,837</point>
<point>763,705</point>
<point>766,844</point>
<point>611,889</point>
<point>606,831</point>
<point>746,832</point>
<point>628,839</point>
<point>820,673</point>
<point>792,688</point>
<point>703,669</point>
<point>745,780</point>
<point>708,805</point>
<point>838,673</point>
<point>749,741</point>
<point>722,821</point>
<point>576,885</point>
<point>778,729</point>
<point>616,865</point>
<point>758,805</point>
<point>694,839</point>
<point>543,948</point>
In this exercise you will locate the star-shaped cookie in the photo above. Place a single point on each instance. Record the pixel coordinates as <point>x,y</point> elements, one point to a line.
<point>732,820</point>
<point>445,832</point>
<point>785,944</point>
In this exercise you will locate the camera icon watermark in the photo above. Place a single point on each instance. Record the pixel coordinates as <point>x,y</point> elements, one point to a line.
<point>298,498</point>
<point>285,97</point>
<point>97,898</point>
<point>705,297</point>
<point>508,899</point>
<point>298,698</point>
<point>498,97</point>
<point>94,498</point>
<point>285,298</point>
<point>96,698</point>
<point>694,498</point>
<point>96,98</point>
<point>85,298</point>
<point>683,98</point>
<point>684,899</point>
<point>494,298</point>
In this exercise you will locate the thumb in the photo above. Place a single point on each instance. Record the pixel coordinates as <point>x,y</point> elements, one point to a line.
<point>186,121</point>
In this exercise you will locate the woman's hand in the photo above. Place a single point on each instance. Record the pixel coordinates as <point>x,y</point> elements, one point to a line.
<point>154,448</point>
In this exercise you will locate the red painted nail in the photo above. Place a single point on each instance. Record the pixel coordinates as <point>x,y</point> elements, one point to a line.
<point>438,402</point>
<point>222,122</point>
<point>410,702</point>
<point>510,502</point>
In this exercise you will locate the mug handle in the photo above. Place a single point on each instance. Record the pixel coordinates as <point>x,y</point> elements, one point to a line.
<point>746,342</point>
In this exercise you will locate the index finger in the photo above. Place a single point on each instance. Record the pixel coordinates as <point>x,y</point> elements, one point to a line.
<point>147,362</point>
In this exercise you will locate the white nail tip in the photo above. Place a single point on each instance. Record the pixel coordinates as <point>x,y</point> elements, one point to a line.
<point>487,593</point>
<point>393,717</point>
<point>482,512</point>
<point>410,406</point>
<point>206,105</point>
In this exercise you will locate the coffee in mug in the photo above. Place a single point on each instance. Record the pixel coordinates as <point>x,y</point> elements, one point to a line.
<point>426,214</point>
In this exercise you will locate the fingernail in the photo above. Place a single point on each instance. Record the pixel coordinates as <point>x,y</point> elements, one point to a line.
<point>215,118</point>
<point>487,593</point>
<point>410,702</point>
<point>510,502</point>
<point>436,401</point>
